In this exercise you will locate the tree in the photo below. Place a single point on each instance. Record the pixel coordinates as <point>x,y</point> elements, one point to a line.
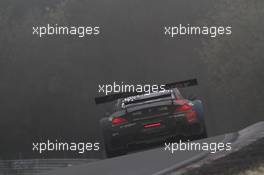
<point>235,63</point>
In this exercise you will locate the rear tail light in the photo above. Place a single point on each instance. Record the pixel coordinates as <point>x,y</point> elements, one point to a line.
<point>118,120</point>
<point>191,117</point>
<point>184,107</point>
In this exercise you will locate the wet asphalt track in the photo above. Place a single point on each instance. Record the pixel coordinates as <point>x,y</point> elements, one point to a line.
<point>141,163</point>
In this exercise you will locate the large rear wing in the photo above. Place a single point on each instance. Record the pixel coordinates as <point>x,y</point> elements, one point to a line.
<point>113,97</point>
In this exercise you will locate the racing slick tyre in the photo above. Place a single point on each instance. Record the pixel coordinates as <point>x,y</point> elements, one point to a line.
<point>114,153</point>
<point>204,133</point>
<point>198,106</point>
<point>110,152</point>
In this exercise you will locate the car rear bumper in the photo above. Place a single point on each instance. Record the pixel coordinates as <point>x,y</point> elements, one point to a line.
<point>172,126</point>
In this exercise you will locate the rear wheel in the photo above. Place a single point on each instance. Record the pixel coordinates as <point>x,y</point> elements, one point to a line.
<point>204,132</point>
<point>110,151</point>
<point>198,106</point>
<point>113,153</point>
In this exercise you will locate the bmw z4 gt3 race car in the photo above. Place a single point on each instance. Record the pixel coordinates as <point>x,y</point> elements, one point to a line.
<point>150,118</point>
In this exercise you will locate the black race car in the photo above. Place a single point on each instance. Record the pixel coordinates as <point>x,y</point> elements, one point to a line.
<point>150,118</point>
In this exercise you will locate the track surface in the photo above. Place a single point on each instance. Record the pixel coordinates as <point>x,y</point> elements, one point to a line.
<point>141,163</point>
<point>247,153</point>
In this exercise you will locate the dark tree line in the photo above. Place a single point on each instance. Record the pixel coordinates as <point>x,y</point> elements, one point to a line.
<point>235,64</point>
<point>47,86</point>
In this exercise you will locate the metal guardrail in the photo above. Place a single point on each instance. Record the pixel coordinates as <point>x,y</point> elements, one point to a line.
<point>36,166</point>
